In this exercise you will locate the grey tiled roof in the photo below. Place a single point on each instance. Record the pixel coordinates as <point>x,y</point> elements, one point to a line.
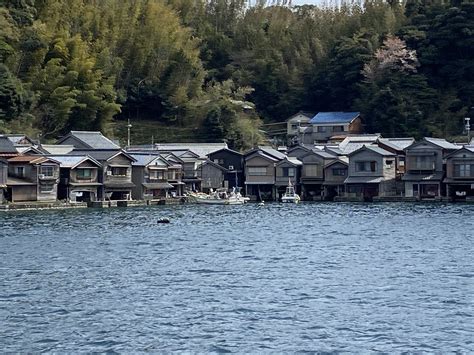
<point>379,150</point>
<point>324,154</point>
<point>272,152</point>
<point>94,139</point>
<point>69,161</point>
<point>397,143</point>
<point>146,159</point>
<point>441,142</point>
<point>57,148</point>
<point>201,149</point>
<point>101,154</point>
<point>6,146</point>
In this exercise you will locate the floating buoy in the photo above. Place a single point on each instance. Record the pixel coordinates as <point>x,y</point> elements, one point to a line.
<point>261,204</point>
<point>163,220</point>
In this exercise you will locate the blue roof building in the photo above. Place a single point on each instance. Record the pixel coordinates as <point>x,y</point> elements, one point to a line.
<point>334,117</point>
<point>327,125</point>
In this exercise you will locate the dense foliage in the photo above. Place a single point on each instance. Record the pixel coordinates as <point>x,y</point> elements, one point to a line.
<point>224,67</point>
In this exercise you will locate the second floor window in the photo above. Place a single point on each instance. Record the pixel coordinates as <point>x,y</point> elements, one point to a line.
<point>288,172</point>
<point>339,172</point>
<point>312,170</point>
<point>257,170</point>
<point>84,174</point>
<point>464,170</point>
<point>368,166</point>
<point>119,171</point>
<point>157,175</point>
<point>321,129</point>
<point>338,129</point>
<point>424,162</point>
<point>47,170</point>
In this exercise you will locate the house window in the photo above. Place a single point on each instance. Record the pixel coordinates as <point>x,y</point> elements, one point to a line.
<point>401,161</point>
<point>338,129</point>
<point>312,170</point>
<point>339,172</point>
<point>84,174</point>
<point>362,166</point>
<point>288,172</point>
<point>171,175</point>
<point>47,170</point>
<point>157,174</point>
<point>294,127</point>
<point>119,171</point>
<point>321,129</point>
<point>20,171</point>
<point>424,162</point>
<point>415,189</point>
<point>464,170</point>
<point>257,170</point>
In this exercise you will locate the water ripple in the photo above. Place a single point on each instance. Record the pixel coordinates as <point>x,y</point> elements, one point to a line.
<point>312,278</point>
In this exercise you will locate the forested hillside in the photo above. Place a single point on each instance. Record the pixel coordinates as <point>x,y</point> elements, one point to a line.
<point>223,68</point>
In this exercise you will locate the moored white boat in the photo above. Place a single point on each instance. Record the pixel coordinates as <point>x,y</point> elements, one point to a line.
<point>290,195</point>
<point>219,197</point>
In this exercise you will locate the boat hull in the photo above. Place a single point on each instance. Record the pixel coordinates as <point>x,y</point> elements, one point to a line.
<point>218,202</point>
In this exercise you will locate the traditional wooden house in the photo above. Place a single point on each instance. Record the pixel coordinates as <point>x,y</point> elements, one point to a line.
<point>78,178</point>
<point>335,173</point>
<point>371,174</point>
<point>3,179</point>
<point>150,177</point>
<point>115,175</point>
<point>175,173</point>
<point>297,122</point>
<point>424,168</point>
<point>32,178</point>
<point>233,163</point>
<point>460,174</point>
<point>312,176</point>
<point>396,146</point>
<point>324,125</point>
<point>260,172</point>
<point>212,175</point>
<point>88,140</point>
<point>191,162</point>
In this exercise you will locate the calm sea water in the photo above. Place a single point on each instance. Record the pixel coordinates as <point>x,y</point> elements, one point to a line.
<point>312,277</point>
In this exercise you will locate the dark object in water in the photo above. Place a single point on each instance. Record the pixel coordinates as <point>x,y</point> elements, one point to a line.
<point>163,220</point>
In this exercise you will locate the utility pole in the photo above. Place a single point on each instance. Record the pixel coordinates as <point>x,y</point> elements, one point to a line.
<point>468,129</point>
<point>128,133</point>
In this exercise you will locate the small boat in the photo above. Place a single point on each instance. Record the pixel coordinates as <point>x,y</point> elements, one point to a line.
<point>218,197</point>
<point>290,195</point>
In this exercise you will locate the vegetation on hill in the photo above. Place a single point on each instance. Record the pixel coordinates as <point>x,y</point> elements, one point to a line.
<point>220,68</point>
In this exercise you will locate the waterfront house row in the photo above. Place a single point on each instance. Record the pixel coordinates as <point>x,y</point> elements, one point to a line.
<point>87,166</point>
